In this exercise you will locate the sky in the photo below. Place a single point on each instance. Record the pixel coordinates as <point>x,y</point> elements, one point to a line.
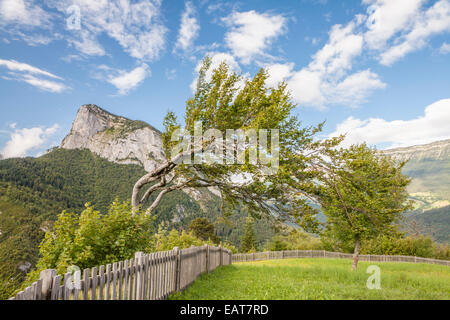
<point>376,70</point>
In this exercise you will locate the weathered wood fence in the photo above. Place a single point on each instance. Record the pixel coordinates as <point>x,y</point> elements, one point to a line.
<point>151,276</point>
<point>269,255</point>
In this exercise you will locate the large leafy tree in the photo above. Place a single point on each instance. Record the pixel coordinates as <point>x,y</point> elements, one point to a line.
<point>362,194</point>
<point>224,101</point>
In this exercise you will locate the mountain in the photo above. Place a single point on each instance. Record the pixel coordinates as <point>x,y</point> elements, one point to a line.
<point>429,167</point>
<point>439,150</point>
<point>115,138</point>
<point>120,140</point>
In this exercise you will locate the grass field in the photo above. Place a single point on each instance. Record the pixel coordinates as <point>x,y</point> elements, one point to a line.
<point>297,279</point>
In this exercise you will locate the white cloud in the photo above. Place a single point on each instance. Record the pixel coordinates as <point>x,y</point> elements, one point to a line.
<point>306,88</point>
<point>23,12</point>
<point>338,53</point>
<point>171,74</point>
<point>355,88</point>
<point>387,17</point>
<point>189,28</point>
<point>125,81</point>
<point>445,48</point>
<point>71,57</point>
<point>43,84</point>
<point>135,25</point>
<point>22,141</point>
<point>32,75</point>
<point>216,59</point>
<point>432,126</point>
<point>251,33</point>
<point>278,72</point>
<point>389,30</point>
<point>27,21</point>
<point>23,67</point>
<point>328,80</point>
<point>397,28</point>
<point>87,44</point>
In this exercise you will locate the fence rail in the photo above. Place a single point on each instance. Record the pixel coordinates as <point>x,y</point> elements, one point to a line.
<point>151,276</point>
<point>269,255</point>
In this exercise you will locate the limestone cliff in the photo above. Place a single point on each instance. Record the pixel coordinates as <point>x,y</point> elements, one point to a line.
<point>115,138</point>
<point>120,140</point>
<point>439,150</point>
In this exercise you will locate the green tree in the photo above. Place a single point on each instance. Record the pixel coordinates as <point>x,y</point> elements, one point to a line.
<point>248,240</point>
<point>221,103</point>
<point>203,229</point>
<point>363,194</point>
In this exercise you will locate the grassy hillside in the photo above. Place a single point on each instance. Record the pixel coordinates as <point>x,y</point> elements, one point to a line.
<point>430,189</point>
<point>435,222</point>
<point>429,175</point>
<point>316,279</point>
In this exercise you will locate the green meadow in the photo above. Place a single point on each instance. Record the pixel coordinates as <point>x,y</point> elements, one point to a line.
<point>312,279</point>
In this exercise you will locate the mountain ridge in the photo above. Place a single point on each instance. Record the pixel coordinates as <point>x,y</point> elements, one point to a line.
<point>115,138</point>
<point>437,150</point>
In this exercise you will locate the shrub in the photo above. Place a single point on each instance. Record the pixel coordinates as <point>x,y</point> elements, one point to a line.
<point>294,239</point>
<point>166,240</point>
<point>420,246</point>
<point>93,239</point>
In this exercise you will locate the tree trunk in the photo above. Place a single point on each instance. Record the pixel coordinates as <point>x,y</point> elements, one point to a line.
<point>356,253</point>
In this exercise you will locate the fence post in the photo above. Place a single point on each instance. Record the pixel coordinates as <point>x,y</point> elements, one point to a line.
<point>177,268</point>
<point>282,254</point>
<point>47,280</point>
<point>221,255</point>
<point>207,257</point>
<point>415,259</point>
<point>138,256</point>
<point>323,251</point>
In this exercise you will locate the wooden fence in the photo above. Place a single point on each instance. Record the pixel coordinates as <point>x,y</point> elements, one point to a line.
<point>151,276</point>
<point>269,255</point>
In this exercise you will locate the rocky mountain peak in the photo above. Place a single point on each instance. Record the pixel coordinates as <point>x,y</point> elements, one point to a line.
<point>115,138</point>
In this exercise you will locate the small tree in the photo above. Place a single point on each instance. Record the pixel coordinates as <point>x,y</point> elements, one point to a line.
<point>248,240</point>
<point>203,229</point>
<point>363,194</point>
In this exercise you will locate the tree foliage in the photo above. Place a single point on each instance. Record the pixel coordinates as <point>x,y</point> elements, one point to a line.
<point>203,229</point>
<point>222,103</point>
<point>363,195</point>
<point>91,238</point>
<point>248,240</point>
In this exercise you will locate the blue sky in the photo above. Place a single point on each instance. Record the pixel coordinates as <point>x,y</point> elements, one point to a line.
<point>378,70</point>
